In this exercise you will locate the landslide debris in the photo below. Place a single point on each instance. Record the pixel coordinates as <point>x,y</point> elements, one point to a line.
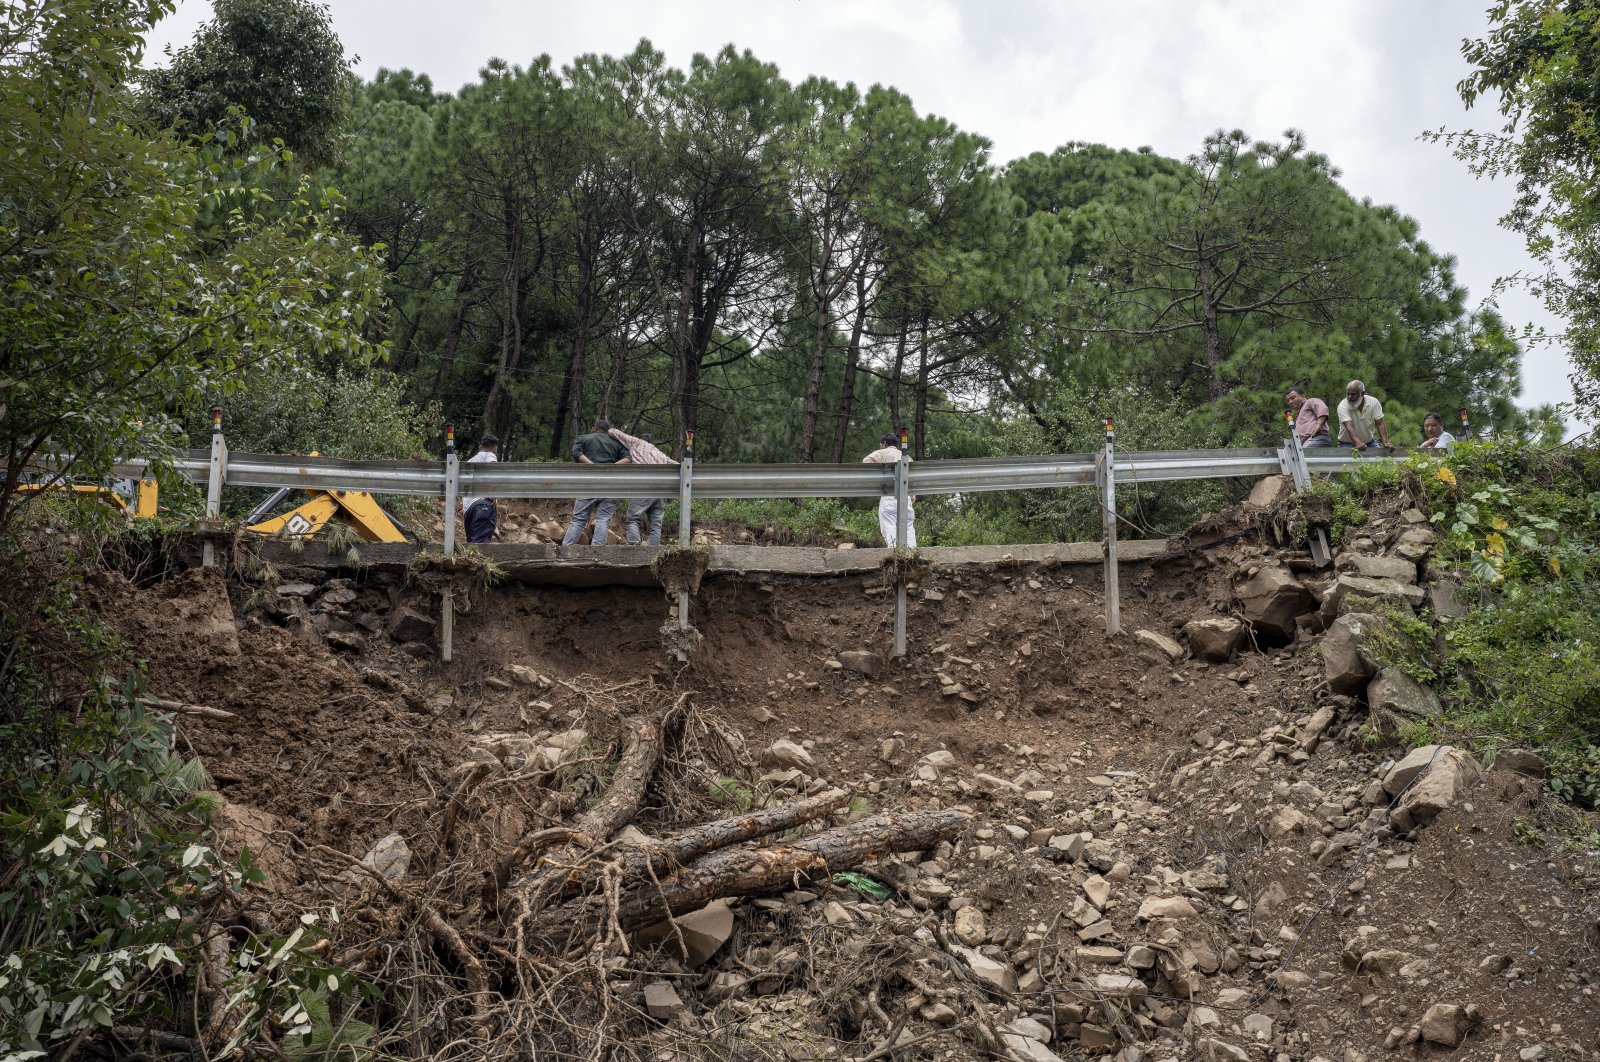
<point>1192,841</point>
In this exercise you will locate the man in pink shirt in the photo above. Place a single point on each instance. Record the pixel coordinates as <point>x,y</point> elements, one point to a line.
<point>647,511</point>
<point>1310,419</point>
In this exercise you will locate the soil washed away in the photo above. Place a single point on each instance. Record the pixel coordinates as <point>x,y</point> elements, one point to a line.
<point>1027,841</point>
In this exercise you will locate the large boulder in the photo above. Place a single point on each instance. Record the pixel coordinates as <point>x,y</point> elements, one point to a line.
<point>1446,1024</point>
<point>862,661</point>
<point>1395,693</point>
<point>1346,655</point>
<point>1270,600</point>
<point>1161,643</point>
<point>1402,596</point>
<point>409,625</point>
<point>1443,783</point>
<point>1399,569</point>
<point>1215,639</point>
<point>783,755</point>
<point>1412,764</point>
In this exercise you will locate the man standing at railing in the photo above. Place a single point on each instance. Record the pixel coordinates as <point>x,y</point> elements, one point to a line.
<point>596,448</point>
<point>643,451</point>
<point>479,515</point>
<point>1310,419</point>
<point>1361,419</point>
<point>888,453</point>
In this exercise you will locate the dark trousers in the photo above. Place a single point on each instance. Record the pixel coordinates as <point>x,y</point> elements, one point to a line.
<point>480,520</point>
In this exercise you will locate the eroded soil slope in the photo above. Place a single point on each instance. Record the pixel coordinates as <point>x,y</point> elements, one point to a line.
<point>1168,857</point>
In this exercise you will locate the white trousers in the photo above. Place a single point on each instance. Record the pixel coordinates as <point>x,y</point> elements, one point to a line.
<point>887,511</point>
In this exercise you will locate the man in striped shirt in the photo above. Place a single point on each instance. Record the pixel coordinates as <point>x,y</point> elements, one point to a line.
<point>643,511</point>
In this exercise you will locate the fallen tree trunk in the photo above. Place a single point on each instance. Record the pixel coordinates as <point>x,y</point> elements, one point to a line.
<point>754,871</point>
<point>615,809</point>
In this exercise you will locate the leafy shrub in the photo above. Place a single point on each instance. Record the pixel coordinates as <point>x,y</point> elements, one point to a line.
<point>108,886</point>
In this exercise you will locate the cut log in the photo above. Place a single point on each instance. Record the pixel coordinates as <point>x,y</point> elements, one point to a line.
<point>754,871</point>
<point>668,854</point>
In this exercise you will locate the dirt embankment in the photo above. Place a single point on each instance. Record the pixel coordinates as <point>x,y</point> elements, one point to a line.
<point>1168,856</point>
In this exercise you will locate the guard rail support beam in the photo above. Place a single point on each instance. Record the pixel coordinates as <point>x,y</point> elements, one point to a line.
<point>216,475</point>
<point>1108,502</point>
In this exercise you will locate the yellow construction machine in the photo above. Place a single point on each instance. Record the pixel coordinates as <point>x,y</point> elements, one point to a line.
<point>145,495</point>
<point>356,508</point>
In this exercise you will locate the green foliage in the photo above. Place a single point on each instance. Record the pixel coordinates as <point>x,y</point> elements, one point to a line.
<point>732,792</point>
<point>95,214</point>
<point>1523,668</point>
<point>279,61</point>
<point>1540,64</point>
<point>108,885</point>
<point>1401,640</point>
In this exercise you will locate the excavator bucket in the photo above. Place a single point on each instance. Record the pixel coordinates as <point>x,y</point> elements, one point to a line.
<point>357,509</point>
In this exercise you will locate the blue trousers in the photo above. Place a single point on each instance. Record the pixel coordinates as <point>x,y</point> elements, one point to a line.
<point>481,520</point>
<point>601,509</point>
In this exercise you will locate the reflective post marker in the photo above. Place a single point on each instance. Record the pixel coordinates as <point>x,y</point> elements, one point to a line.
<point>452,487</point>
<point>1108,502</point>
<point>1466,429</point>
<point>216,476</point>
<point>685,500</point>
<point>902,469</point>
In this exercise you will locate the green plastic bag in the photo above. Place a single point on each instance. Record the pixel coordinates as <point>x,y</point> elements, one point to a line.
<point>854,879</point>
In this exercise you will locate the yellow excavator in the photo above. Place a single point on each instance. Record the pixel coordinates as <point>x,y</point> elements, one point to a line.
<point>356,508</point>
<point>146,495</point>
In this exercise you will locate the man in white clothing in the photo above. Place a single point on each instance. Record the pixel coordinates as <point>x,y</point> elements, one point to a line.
<point>479,515</point>
<point>888,453</point>
<point>1361,419</point>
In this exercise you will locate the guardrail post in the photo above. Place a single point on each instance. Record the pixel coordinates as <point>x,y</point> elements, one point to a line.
<point>1292,456</point>
<point>452,487</point>
<point>1108,502</point>
<point>217,475</point>
<point>685,501</point>
<point>902,503</point>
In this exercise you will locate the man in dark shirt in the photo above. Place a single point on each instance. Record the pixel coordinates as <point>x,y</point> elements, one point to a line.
<point>596,448</point>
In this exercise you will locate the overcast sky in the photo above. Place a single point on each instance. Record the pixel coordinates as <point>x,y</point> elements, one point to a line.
<point>1362,78</point>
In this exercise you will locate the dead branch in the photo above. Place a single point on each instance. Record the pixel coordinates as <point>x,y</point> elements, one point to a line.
<point>615,809</point>
<point>680,849</point>
<point>443,933</point>
<point>754,871</point>
<point>187,709</point>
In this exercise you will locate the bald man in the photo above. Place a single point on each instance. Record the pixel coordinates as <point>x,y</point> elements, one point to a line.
<point>1361,419</point>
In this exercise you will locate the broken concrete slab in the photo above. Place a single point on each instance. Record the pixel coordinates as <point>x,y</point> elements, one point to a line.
<point>702,933</point>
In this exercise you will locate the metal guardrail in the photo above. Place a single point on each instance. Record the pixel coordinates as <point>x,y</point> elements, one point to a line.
<point>537,480</point>
<point>453,479</point>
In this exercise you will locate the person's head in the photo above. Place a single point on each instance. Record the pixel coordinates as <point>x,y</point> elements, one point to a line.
<point>1296,397</point>
<point>889,439</point>
<point>1355,391</point>
<point>1432,426</point>
<point>489,443</point>
<point>647,437</point>
<point>602,424</point>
